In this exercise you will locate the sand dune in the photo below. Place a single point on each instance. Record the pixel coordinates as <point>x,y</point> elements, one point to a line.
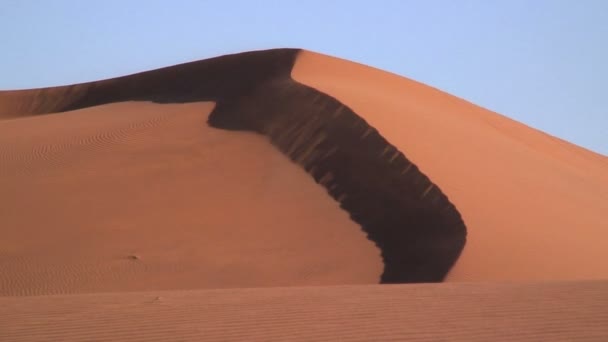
<point>289,168</point>
<point>85,192</point>
<point>534,205</point>
<point>445,312</point>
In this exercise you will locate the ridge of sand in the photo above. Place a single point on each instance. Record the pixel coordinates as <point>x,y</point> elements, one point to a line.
<point>534,205</point>
<point>131,198</point>
<point>419,232</point>
<point>213,79</point>
<point>569,311</point>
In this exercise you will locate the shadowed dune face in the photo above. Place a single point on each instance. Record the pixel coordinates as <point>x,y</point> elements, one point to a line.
<point>212,79</point>
<point>535,206</point>
<point>140,196</point>
<point>419,232</point>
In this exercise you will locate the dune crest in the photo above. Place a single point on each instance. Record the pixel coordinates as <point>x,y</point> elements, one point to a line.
<point>419,232</point>
<point>279,168</point>
<point>141,196</point>
<point>534,205</point>
<point>219,199</point>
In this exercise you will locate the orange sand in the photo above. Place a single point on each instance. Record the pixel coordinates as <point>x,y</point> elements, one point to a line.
<point>429,312</point>
<point>138,196</point>
<point>86,191</point>
<point>535,206</point>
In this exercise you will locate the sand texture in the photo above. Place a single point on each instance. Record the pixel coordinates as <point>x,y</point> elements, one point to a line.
<point>446,312</point>
<point>141,196</point>
<point>264,196</point>
<point>534,205</point>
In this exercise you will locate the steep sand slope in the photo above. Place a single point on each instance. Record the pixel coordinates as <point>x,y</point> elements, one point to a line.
<point>135,196</point>
<point>141,196</point>
<point>535,206</point>
<point>121,196</point>
<point>443,312</point>
<point>420,234</point>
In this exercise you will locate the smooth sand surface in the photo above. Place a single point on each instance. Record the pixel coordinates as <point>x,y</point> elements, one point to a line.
<point>443,312</point>
<point>535,206</point>
<point>142,196</point>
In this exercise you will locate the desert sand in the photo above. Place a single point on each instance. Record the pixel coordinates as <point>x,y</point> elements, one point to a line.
<point>562,311</point>
<point>160,206</point>
<point>534,205</point>
<point>141,196</point>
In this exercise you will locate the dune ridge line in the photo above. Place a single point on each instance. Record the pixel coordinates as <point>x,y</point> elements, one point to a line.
<point>418,230</point>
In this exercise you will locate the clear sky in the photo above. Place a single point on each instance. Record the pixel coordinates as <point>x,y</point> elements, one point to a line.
<point>541,62</point>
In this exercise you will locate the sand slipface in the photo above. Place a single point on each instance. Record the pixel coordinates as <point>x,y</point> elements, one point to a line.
<point>534,205</point>
<point>568,311</point>
<point>279,168</point>
<point>142,196</point>
<point>289,168</point>
<point>419,232</point>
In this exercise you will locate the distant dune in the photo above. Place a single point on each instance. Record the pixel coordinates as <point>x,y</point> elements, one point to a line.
<point>284,168</point>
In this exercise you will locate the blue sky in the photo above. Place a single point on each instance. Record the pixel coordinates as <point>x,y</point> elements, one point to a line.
<point>539,62</point>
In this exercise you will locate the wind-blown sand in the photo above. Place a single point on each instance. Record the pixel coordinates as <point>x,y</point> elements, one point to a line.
<point>289,168</point>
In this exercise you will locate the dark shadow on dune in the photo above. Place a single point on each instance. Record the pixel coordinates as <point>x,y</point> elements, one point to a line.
<point>420,233</point>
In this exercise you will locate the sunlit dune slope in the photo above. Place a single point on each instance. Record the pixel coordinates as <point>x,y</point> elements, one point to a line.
<point>141,196</point>
<point>282,168</point>
<point>534,206</point>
